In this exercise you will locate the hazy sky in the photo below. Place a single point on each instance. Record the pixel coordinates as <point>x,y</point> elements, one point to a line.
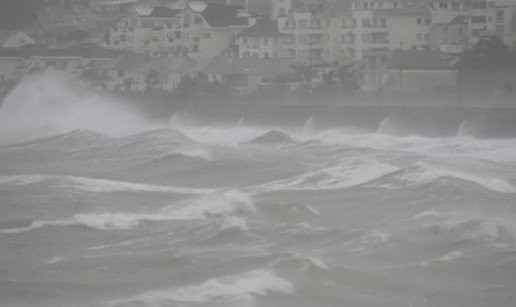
<point>17,13</point>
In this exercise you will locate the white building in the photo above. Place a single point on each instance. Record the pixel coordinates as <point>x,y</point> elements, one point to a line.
<point>280,8</point>
<point>199,30</point>
<point>15,39</point>
<point>262,40</point>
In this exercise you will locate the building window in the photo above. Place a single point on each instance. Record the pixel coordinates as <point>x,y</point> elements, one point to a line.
<point>419,36</point>
<point>195,48</point>
<point>244,40</point>
<point>207,35</point>
<point>196,40</point>
<point>380,4</point>
<point>499,16</point>
<point>474,5</point>
<point>120,74</point>
<point>489,19</point>
<point>395,4</point>
<point>443,5</point>
<point>428,21</point>
<point>445,28</point>
<point>455,6</point>
<point>500,29</point>
<point>460,30</point>
<point>427,36</point>
<point>197,20</point>
<point>177,34</point>
<point>266,55</point>
<point>266,41</point>
<point>478,19</point>
<point>419,21</point>
<point>482,5</point>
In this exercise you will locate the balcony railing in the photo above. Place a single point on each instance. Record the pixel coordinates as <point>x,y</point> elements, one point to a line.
<point>377,41</point>
<point>376,26</point>
<point>347,41</point>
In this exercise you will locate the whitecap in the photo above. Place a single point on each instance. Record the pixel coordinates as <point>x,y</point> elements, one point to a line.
<point>228,289</point>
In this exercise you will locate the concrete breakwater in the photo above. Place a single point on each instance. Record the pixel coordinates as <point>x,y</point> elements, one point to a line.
<point>396,120</point>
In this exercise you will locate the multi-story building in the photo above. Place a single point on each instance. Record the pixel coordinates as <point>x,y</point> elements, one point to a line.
<point>198,29</point>
<point>280,8</point>
<point>307,29</point>
<point>263,40</point>
<point>451,37</point>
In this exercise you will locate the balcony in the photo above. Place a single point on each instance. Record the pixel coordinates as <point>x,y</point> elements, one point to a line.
<point>376,26</point>
<point>381,41</point>
<point>348,26</point>
<point>347,41</point>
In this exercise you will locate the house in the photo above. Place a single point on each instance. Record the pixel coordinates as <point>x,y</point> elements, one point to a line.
<point>169,69</point>
<point>418,70</point>
<point>113,6</point>
<point>199,30</point>
<point>242,74</point>
<point>450,37</point>
<point>15,39</point>
<point>280,8</point>
<point>129,71</point>
<point>263,40</point>
<point>15,63</point>
<point>122,73</point>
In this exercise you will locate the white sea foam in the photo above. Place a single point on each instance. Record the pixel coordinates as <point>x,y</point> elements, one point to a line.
<point>489,182</point>
<point>242,288</point>
<point>226,204</point>
<point>21,180</point>
<point>312,261</point>
<point>338,175</point>
<point>50,104</point>
<point>98,185</point>
<point>54,260</point>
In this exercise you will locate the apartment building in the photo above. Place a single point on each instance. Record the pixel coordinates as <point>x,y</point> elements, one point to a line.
<point>198,29</point>
<point>280,8</point>
<point>263,40</point>
<point>307,28</point>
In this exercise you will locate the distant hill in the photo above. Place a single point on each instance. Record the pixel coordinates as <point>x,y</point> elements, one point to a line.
<point>15,14</point>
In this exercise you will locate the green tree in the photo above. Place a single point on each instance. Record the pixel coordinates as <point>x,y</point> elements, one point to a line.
<point>489,53</point>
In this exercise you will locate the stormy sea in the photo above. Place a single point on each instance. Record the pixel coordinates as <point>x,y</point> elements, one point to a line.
<point>101,206</point>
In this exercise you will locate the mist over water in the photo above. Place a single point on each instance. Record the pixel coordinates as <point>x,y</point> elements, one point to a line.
<point>100,206</point>
<point>47,104</point>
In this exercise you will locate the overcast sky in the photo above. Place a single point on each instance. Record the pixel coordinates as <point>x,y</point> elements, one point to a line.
<point>17,13</point>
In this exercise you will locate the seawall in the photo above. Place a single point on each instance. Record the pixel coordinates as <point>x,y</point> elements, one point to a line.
<point>430,121</point>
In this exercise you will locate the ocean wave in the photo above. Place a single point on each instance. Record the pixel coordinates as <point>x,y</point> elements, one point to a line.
<point>421,174</point>
<point>240,288</point>
<point>73,139</point>
<point>473,226</point>
<point>301,262</point>
<point>97,185</point>
<point>227,205</point>
<point>335,175</point>
<point>272,137</point>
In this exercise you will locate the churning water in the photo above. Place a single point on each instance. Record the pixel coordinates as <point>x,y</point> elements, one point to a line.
<point>99,207</point>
